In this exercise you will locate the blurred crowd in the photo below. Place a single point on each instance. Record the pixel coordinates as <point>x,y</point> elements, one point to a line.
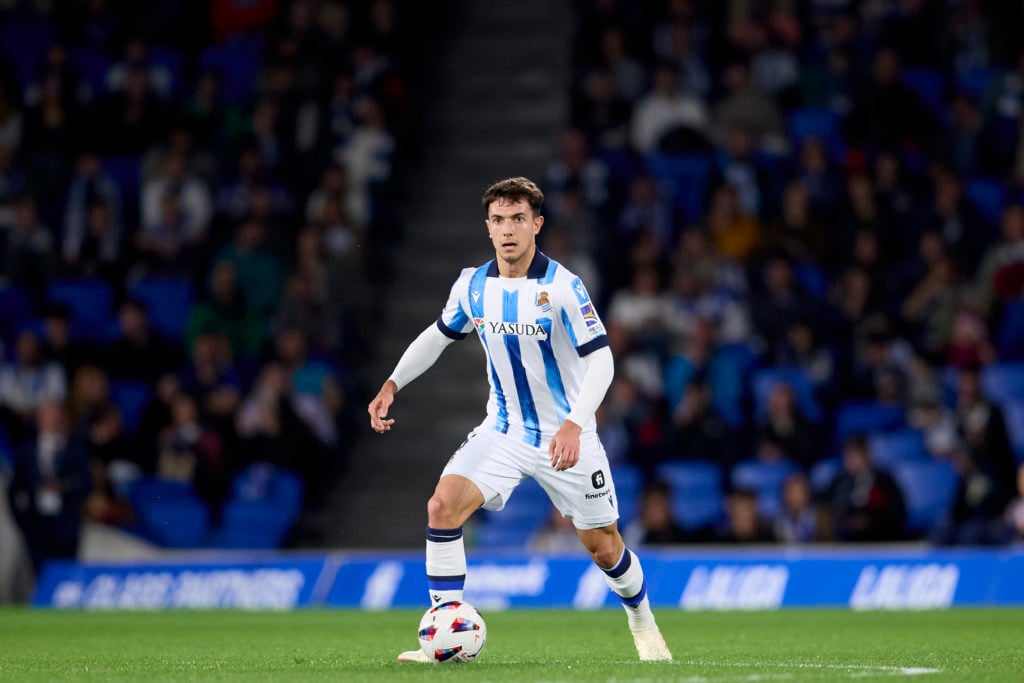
<point>810,247</point>
<point>190,196</point>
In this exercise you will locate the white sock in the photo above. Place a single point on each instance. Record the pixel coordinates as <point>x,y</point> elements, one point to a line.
<point>446,565</point>
<point>626,579</point>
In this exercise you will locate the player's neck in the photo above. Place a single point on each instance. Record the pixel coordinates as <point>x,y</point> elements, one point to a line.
<point>518,269</point>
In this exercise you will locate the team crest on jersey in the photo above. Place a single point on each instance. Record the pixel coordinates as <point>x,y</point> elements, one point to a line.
<point>511,329</point>
<point>542,301</point>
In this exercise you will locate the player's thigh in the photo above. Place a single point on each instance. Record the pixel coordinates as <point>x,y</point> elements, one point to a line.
<point>455,499</point>
<point>493,463</point>
<point>584,492</point>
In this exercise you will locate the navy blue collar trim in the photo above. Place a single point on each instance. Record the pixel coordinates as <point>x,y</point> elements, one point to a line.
<point>538,267</point>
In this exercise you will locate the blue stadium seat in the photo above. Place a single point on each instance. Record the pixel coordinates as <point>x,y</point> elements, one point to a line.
<point>865,417</point>
<point>238,61</point>
<point>929,86</point>
<point>697,499</point>
<point>1003,382</point>
<point>824,472</point>
<point>1010,332</point>
<point>629,484</point>
<point>728,372</point>
<point>812,280</point>
<point>91,304</point>
<point>126,172</point>
<point>131,398</point>
<point>169,301</point>
<point>1013,413</point>
<point>988,195</point>
<point>92,66</point>
<point>928,490</point>
<point>764,382</point>
<point>816,122</point>
<point>169,513</point>
<point>25,42</point>
<point>766,480</point>
<point>251,524</point>
<point>684,178</point>
<point>15,311</point>
<point>623,164</point>
<point>977,81</point>
<point>897,446</point>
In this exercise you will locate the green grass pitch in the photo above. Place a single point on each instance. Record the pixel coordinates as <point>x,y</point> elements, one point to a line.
<point>540,645</point>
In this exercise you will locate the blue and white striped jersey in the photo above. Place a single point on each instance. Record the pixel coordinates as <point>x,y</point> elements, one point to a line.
<point>535,330</point>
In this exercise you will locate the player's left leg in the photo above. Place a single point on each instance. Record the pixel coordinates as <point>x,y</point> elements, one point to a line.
<point>625,577</point>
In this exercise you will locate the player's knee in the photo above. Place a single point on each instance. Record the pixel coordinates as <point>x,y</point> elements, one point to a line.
<point>605,552</point>
<point>440,513</point>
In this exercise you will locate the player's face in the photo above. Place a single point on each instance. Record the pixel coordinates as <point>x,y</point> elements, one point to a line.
<point>513,229</point>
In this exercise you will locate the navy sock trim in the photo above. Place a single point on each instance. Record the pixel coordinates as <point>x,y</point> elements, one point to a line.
<point>446,583</point>
<point>444,535</point>
<point>638,598</point>
<point>622,567</point>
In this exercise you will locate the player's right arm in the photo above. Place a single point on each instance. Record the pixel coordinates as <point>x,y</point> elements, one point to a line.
<point>451,325</point>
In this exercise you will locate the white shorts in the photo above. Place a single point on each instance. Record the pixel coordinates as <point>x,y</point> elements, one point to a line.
<point>497,463</point>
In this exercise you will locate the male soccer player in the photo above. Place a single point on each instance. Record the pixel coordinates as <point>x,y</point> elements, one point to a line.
<point>549,367</point>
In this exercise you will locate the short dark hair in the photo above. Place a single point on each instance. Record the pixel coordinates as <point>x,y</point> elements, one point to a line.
<point>514,190</point>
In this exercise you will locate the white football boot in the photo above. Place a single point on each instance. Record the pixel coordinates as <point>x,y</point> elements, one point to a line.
<point>651,646</point>
<point>420,657</point>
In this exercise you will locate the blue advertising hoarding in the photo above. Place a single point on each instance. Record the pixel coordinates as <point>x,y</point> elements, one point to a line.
<point>695,580</point>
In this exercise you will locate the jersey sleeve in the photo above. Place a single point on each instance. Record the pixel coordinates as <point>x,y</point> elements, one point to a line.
<point>454,322</point>
<point>579,315</point>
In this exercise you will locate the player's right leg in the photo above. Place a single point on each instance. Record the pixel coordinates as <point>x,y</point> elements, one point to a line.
<point>483,472</point>
<point>455,499</point>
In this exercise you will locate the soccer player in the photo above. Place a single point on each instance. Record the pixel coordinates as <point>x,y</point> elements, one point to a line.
<point>549,367</point>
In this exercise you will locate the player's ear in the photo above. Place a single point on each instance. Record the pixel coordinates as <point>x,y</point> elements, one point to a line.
<point>537,223</point>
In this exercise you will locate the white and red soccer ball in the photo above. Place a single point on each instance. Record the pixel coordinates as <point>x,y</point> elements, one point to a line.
<point>452,632</point>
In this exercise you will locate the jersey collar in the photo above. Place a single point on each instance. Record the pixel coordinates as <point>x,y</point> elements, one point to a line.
<point>538,267</point>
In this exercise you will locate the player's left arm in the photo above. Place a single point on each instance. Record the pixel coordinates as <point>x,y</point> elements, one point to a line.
<point>564,447</point>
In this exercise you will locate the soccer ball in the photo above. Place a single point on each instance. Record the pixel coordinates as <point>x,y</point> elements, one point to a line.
<point>452,632</point>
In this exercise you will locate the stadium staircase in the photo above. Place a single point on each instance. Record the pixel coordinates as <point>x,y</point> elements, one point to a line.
<point>498,107</point>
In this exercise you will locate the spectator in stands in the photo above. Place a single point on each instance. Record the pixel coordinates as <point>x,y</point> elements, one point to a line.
<point>138,352</point>
<point>801,349</point>
<point>628,75</point>
<point>367,156</point>
<point>744,523</point>
<point>675,43</point>
<point>272,429</point>
<point>735,233</point>
<point>746,108</point>
<point>785,426</point>
<point>602,113</point>
<point>333,184</point>
<point>646,210</point>
<point>939,426</point>
<point>797,233</point>
<point>132,119</point>
<point>60,346</point>
<point>28,254</point>
<point>656,524</point>
<point>1000,261</point>
<point>136,59</point>
<point>90,186</point>
<point>798,522</point>
<point>698,430</point>
<point>10,120</point>
<point>638,309</point>
<point>51,481</point>
<point>301,309</point>
<point>780,304</point>
<point>885,113</point>
<point>987,451</point>
<point>213,381</point>
<point>224,310</point>
<point>963,230</point>
<point>94,247</point>
<point>175,187</point>
<point>865,502</point>
<point>665,109</point>
<point>258,269</point>
<point>190,453</point>
<point>318,396</point>
<point>27,383</point>
<point>932,306</point>
<point>575,168</point>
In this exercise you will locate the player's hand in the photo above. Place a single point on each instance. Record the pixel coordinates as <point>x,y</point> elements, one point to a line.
<point>564,448</point>
<point>378,408</point>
